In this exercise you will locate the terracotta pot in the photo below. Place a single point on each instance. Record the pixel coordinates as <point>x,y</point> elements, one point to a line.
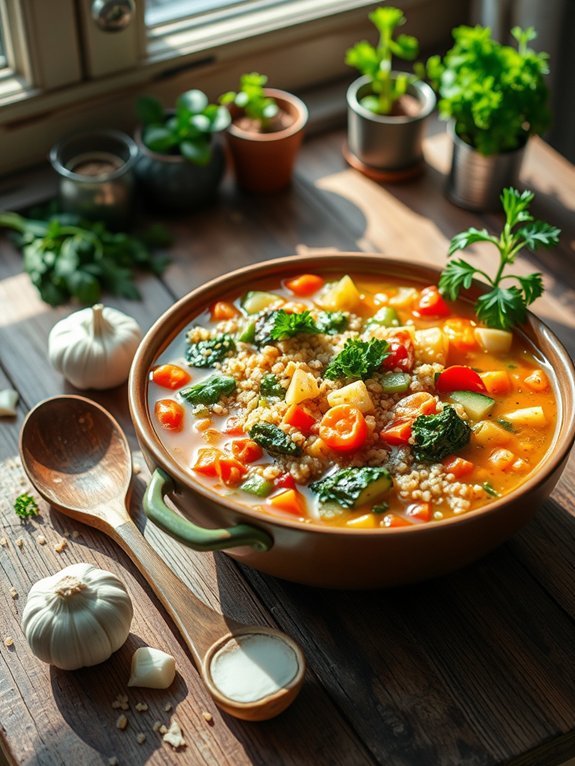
<point>263,162</point>
<point>332,556</point>
<point>387,142</point>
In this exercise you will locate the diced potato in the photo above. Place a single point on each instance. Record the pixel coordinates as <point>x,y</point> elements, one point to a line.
<point>489,434</point>
<point>367,521</point>
<point>537,381</point>
<point>493,341</point>
<point>431,345</point>
<point>501,458</point>
<point>403,298</point>
<point>354,393</point>
<point>529,416</point>
<point>303,385</point>
<point>340,296</point>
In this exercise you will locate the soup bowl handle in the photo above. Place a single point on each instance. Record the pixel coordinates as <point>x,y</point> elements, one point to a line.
<point>190,534</point>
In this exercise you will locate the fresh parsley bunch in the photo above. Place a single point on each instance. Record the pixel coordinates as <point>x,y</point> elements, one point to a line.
<point>375,61</point>
<point>25,506</point>
<point>66,256</point>
<point>358,359</point>
<point>503,306</point>
<point>495,93</point>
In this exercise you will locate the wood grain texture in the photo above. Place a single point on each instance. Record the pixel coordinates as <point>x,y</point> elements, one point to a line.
<point>473,669</point>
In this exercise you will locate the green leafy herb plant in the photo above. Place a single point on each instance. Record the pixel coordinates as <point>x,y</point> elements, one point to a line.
<point>375,62</point>
<point>504,305</point>
<point>496,94</point>
<point>186,131</point>
<point>252,100</point>
<point>67,257</point>
<point>25,506</point>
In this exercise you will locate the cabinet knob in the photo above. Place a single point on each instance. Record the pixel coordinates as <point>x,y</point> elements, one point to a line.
<point>112,15</point>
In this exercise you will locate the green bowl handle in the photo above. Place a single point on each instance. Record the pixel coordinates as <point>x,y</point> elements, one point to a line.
<point>184,531</point>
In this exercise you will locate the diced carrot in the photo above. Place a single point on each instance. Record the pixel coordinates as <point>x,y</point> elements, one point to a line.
<point>537,381</point>
<point>297,417</point>
<point>213,462</point>
<point>367,521</point>
<point>169,414</point>
<point>203,424</point>
<point>421,511</point>
<point>458,466</point>
<point>170,376</point>
<point>223,310</point>
<point>289,501</point>
<point>233,428</point>
<point>461,334</point>
<point>305,284</point>
<point>414,405</point>
<point>393,520</point>
<point>397,433</point>
<point>246,450</point>
<point>502,459</point>
<point>343,428</point>
<point>497,382</point>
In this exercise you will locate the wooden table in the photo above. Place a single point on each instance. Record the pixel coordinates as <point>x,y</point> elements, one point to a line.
<point>473,669</point>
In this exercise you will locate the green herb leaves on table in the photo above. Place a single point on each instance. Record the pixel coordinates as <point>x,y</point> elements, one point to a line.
<point>358,359</point>
<point>505,304</point>
<point>437,436</point>
<point>25,506</point>
<point>67,257</point>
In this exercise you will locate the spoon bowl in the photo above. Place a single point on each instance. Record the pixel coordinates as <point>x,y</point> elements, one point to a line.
<point>78,459</point>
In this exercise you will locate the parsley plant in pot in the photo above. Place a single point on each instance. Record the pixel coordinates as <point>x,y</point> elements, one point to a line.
<point>495,97</point>
<point>181,162</point>
<point>386,108</point>
<point>265,134</point>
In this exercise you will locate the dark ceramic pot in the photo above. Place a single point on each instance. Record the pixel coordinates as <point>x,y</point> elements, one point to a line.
<point>334,557</point>
<point>172,183</point>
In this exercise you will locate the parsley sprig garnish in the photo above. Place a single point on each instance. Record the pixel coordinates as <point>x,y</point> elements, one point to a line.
<point>25,506</point>
<point>287,325</point>
<point>358,359</point>
<point>503,306</point>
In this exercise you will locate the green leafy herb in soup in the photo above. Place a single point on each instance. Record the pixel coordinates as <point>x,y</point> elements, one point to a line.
<point>352,401</point>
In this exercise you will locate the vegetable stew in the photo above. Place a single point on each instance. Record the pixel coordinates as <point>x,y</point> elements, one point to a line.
<point>352,402</point>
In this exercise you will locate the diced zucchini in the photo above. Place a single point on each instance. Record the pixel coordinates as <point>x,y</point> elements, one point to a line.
<point>387,316</point>
<point>529,416</point>
<point>395,382</point>
<point>257,485</point>
<point>255,301</point>
<point>476,405</point>
<point>355,393</point>
<point>248,334</point>
<point>431,345</point>
<point>488,434</point>
<point>303,385</point>
<point>353,487</point>
<point>493,341</point>
<point>340,296</point>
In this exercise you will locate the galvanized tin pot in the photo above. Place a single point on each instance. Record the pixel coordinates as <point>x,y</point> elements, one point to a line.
<point>387,142</point>
<point>475,180</point>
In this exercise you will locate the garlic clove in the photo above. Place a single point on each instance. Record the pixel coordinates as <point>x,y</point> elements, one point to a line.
<point>152,668</point>
<point>8,402</point>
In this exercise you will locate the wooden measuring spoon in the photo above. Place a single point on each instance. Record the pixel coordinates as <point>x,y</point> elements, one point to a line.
<point>78,458</point>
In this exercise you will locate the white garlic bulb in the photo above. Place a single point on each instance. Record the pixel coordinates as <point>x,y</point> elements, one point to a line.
<point>94,347</point>
<point>77,617</point>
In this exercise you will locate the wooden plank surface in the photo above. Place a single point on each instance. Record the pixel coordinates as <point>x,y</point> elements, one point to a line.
<point>476,668</point>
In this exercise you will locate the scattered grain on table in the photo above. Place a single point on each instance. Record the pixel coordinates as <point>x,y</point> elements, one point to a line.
<point>141,707</point>
<point>19,542</point>
<point>140,737</point>
<point>13,592</point>
<point>61,546</point>
<point>208,717</point>
<point>8,642</point>
<point>41,540</point>
<point>121,722</point>
<point>173,736</point>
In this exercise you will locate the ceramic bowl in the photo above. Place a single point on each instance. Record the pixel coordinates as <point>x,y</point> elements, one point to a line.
<point>321,556</point>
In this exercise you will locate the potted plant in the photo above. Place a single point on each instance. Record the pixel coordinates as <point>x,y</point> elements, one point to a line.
<point>180,164</point>
<point>386,108</point>
<point>265,133</point>
<point>495,97</point>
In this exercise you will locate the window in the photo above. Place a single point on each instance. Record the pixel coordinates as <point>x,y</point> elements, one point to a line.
<point>62,73</point>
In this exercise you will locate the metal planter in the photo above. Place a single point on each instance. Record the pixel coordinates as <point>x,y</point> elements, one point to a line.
<point>387,142</point>
<point>476,180</point>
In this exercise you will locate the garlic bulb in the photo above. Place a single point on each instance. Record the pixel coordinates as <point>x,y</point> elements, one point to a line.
<point>94,347</point>
<point>77,617</point>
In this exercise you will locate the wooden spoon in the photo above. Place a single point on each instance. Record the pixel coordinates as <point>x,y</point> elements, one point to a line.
<point>78,458</point>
